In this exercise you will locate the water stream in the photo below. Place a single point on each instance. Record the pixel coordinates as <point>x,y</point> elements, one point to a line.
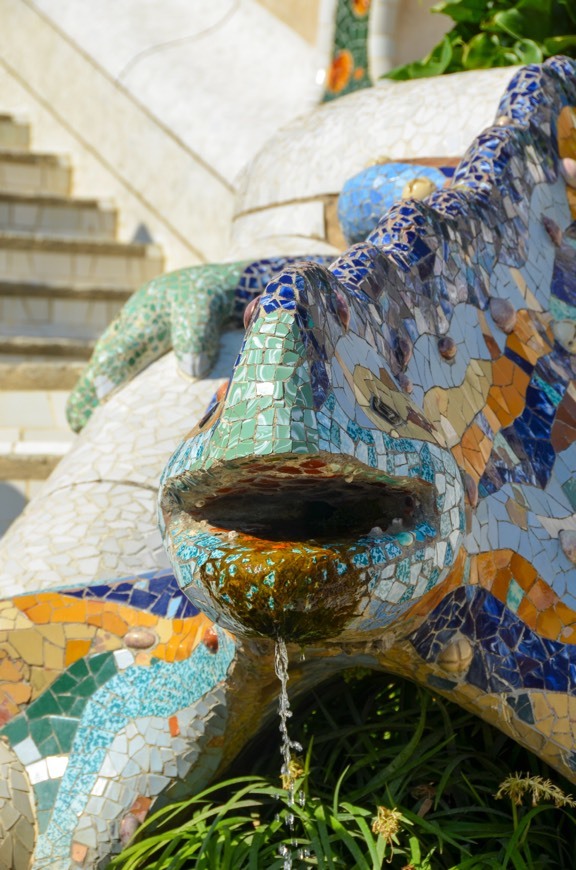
<point>289,768</point>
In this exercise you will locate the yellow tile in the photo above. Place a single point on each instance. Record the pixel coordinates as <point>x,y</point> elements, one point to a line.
<point>29,645</point>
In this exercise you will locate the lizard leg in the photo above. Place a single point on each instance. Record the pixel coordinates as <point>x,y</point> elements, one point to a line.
<point>139,335</point>
<point>185,301</point>
<point>186,310</point>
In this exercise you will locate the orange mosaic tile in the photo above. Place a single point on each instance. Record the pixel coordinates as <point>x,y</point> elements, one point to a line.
<point>76,649</point>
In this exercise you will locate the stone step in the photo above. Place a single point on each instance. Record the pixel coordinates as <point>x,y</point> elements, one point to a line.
<point>48,374</point>
<point>28,309</point>
<point>80,262</point>
<point>57,290</point>
<point>15,348</point>
<point>32,173</point>
<point>34,433</point>
<point>37,415</point>
<point>57,216</point>
<point>36,463</point>
<point>14,133</point>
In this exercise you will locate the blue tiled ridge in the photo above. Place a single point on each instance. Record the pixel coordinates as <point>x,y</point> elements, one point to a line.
<point>508,654</point>
<point>157,592</point>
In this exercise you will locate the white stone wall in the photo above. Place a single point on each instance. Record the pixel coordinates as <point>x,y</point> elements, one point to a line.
<point>287,183</point>
<point>163,104</point>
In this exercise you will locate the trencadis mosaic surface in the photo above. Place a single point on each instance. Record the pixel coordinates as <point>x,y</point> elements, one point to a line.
<point>388,476</point>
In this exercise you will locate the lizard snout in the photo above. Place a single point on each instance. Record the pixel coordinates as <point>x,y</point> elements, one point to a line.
<point>291,546</point>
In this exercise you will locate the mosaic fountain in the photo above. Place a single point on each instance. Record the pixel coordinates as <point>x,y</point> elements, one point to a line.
<point>387,477</point>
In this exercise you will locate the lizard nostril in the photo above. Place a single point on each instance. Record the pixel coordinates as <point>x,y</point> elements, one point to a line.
<point>342,309</point>
<point>385,411</point>
<point>249,311</point>
<point>402,351</point>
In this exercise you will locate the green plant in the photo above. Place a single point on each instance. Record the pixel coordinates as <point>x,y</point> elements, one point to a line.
<point>491,33</point>
<point>394,776</point>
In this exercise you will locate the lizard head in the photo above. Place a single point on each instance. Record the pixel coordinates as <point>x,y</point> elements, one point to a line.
<point>314,500</point>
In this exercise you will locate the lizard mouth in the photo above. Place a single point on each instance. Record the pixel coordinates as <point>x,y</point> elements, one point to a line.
<point>293,547</point>
<point>291,505</point>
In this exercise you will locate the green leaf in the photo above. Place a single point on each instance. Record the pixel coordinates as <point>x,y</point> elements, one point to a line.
<point>527,51</point>
<point>569,8</point>
<point>482,52</point>
<point>529,19</point>
<point>415,853</point>
<point>560,45</point>
<point>473,11</point>
<point>433,65</point>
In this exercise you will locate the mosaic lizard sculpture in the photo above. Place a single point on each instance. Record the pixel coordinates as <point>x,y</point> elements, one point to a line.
<point>388,479</point>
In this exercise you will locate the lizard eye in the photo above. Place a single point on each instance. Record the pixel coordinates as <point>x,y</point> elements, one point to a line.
<point>249,310</point>
<point>342,308</point>
<point>385,411</point>
<point>215,404</point>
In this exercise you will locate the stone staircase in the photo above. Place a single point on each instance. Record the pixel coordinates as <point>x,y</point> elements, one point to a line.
<point>63,277</point>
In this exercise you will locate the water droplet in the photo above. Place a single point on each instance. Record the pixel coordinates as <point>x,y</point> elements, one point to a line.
<point>284,852</point>
<point>289,769</point>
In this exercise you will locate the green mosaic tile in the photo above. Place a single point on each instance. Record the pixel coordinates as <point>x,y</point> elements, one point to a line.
<point>569,488</point>
<point>248,429</point>
<point>514,596</point>
<point>67,703</point>
<point>298,432</point>
<point>43,819</point>
<point>41,729</point>
<point>45,705</point>
<point>50,746</point>
<point>16,730</point>
<point>266,417</point>
<point>103,667</point>
<point>45,792</point>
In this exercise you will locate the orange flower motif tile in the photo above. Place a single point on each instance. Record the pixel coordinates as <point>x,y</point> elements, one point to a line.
<point>340,71</point>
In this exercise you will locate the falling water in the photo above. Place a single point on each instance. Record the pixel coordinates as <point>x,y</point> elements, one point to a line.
<point>286,745</point>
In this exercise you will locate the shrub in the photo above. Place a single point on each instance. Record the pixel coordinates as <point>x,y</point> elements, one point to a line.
<point>394,776</point>
<point>491,33</point>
